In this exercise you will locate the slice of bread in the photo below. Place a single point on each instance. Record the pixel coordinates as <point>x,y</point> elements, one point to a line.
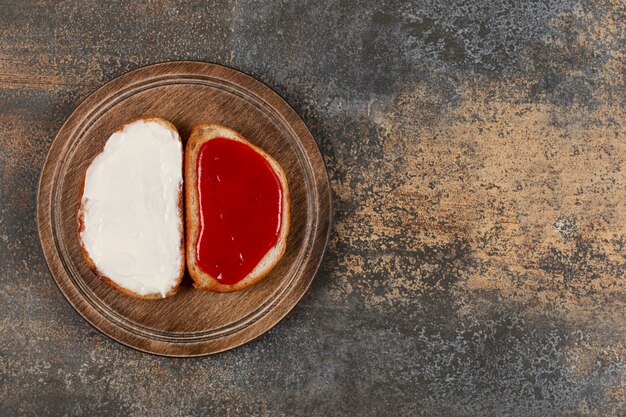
<point>130,215</point>
<point>202,280</point>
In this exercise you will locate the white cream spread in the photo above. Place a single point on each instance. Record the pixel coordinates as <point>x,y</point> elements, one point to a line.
<point>132,225</point>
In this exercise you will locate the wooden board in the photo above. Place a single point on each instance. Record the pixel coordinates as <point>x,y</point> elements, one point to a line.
<point>192,323</point>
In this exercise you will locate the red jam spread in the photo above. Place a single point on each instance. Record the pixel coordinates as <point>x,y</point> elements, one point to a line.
<point>240,200</point>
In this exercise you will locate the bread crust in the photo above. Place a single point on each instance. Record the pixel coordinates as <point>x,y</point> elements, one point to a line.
<point>201,134</point>
<point>80,218</point>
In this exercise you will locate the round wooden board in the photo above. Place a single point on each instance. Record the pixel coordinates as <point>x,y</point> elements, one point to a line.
<point>191,323</point>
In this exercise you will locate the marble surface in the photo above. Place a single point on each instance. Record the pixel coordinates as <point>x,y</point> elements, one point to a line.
<point>476,151</point>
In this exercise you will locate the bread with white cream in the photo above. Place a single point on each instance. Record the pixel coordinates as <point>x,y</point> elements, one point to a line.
<point>130,217</point>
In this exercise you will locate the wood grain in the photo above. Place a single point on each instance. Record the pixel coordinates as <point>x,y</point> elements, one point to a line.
<point>192,323</point>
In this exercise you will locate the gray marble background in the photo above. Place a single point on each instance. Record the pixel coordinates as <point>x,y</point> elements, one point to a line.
<point>476,152</point>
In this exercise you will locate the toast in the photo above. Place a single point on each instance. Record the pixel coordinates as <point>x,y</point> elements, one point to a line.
<point>130,215</point>
<point>203,280</point>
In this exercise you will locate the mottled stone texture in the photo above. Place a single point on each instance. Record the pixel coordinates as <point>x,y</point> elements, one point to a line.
<point>477,155</point>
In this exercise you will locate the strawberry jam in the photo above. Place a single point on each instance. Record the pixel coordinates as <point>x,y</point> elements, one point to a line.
<point>240,209</point>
